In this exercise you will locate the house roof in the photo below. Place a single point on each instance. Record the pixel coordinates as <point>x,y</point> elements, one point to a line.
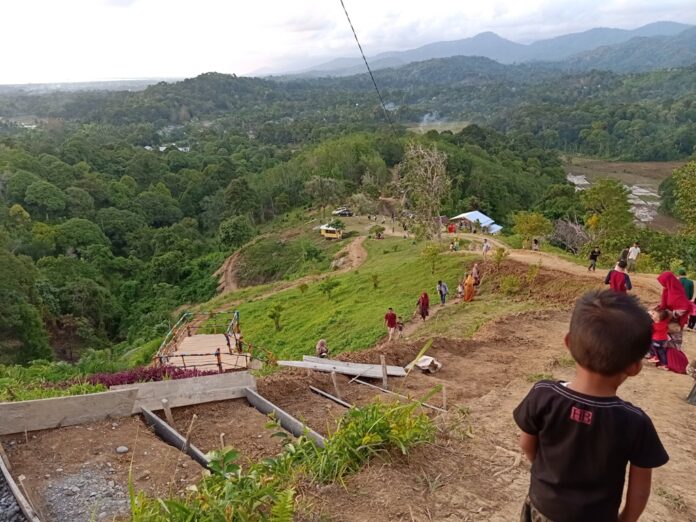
<point>475,216</point>
<point>494,229</point>
<point>327,227</point>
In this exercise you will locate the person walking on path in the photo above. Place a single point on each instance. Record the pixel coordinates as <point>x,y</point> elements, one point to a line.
<point>423,305</point>
<point>476,274</point>
<point>617,278</point>
<point>390,322</point>
<point>674,299</point>
<point>469,288</point>
<point>442,291</point>
<point>624,255</point>
<point>594,255</point>
<point>485,248</point>
<point>633,257</point>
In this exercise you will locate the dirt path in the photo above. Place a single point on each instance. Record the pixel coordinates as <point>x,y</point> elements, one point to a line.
<point>475,470</point>
<point>353,254</point>
<point>644,284</point>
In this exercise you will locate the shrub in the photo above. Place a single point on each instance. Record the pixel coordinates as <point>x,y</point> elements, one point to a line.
<point>146,374</point>
<point>532,274</point>
<point>499,256</point>
<point>510,284</point>
<point>265,491</point>
<point>275,314</point>
<point>376,229</point>
<point>328,286</point>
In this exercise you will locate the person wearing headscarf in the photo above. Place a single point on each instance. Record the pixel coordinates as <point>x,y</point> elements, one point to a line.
<point>674,297</point>
<point>322,350</point>
<point>469,288</point>
<point>674,300</point>
<point>423,305</point>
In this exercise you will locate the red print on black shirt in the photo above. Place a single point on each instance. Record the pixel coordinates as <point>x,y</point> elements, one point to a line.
<point>578,415</point>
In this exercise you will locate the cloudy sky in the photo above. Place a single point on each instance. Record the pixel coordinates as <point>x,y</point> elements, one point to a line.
<point>80,40</point>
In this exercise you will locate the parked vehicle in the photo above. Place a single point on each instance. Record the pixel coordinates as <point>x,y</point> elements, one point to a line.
<point>343,212</point>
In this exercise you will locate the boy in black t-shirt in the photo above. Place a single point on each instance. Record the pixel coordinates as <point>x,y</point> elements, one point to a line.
<point>579,435</point>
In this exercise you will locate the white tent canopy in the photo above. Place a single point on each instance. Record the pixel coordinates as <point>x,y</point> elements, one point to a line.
<point>479,218</point>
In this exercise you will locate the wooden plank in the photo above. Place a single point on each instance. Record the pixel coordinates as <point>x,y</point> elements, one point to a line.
<point>287,421</point>
<point>370,370</point>
<point>22,501</point>
<point>392,371</point>
<point>330,397</point>
<point>399,395</point>
<point>41,414</point>
<point>173,437</point>
<point>195,390</point>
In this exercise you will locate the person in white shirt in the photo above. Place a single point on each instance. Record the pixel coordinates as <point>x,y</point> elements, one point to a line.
<point>633,257</point>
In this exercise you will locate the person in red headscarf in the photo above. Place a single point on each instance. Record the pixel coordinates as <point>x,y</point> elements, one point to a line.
<point>674,298</point>
<point>675,301</point>
<point>424,305</point>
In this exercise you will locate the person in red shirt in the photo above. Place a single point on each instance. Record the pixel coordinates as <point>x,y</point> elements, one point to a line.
<point>660,336</point>
<point>390,322</point>
<point>617,278</point>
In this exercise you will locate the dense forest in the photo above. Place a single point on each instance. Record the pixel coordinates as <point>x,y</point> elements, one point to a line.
<point>646,116</point>
<point>102,238</point>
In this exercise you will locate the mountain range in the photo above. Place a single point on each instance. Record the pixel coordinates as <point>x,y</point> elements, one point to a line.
<point>607,47</point>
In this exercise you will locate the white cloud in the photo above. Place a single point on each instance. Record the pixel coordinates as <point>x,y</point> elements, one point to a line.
<point>75,40</point>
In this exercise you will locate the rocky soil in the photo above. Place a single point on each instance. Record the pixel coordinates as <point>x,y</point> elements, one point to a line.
<point>9,509</point>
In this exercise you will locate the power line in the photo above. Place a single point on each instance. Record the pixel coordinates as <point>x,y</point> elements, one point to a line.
<point>379,94</point>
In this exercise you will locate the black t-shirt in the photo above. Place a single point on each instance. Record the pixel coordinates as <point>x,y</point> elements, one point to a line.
<point>584,445</point>
<point>595,254</point>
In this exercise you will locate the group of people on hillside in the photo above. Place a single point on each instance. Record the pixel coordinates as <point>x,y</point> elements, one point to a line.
<point>466,290</point>
<point>675,311</point>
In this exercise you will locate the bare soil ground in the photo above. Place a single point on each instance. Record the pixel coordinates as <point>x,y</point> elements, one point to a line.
<point>244,428</point>
<point>74,473</point>
<point>475,470</point>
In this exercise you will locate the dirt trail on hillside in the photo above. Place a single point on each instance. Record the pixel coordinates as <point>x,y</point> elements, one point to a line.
<point>643,283</point>
<point>353,255</point>
<point>475,471</point>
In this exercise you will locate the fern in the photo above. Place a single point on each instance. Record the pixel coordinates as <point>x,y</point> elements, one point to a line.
<point>284,508</point>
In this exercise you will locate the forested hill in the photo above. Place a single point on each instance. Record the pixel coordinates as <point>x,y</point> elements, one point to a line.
<point>647,116</point>
<point>639,54</point>
<point>492,46</point>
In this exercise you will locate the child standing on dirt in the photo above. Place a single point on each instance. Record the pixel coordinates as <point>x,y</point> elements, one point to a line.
<point>400,326</point>
<point>579,435</point>
<point>617,278</point>
<point>660,336</point>
<point>390,322</point>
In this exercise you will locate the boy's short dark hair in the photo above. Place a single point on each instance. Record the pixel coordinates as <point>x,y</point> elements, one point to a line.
<point>623,264</point>
<point>609,331</point>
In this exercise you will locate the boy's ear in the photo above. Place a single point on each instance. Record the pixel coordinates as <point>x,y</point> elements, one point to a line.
<point>565,340</point>
<point>635,368</point>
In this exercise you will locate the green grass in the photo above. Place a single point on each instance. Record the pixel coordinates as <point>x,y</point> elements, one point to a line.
<point>287,254</point>
<point>353,318</point>
<point>462,320</point>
